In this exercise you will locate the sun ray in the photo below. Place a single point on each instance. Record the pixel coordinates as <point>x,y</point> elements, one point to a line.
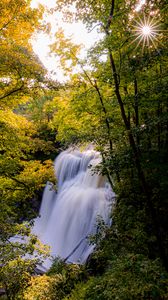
<point>146,31</point>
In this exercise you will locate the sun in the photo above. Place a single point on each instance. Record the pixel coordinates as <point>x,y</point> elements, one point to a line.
<point>146,32</point>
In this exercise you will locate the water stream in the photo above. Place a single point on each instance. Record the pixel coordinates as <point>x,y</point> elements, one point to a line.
<point>68,216</point>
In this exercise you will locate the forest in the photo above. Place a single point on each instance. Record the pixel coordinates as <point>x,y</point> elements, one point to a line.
<point>114,98</point>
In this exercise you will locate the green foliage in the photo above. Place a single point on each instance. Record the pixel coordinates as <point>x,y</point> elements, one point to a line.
<point>20,252</point>
<point>129,277</point>
<point>22,173</point>
<point>56,284</point>
<point>45,288</point>
<point>119,104</point>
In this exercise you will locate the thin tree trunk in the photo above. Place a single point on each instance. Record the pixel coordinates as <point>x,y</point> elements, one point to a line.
<point>107,173</point>
<point>159,127</point>
<point>136,107</point>
<point>105,113</point>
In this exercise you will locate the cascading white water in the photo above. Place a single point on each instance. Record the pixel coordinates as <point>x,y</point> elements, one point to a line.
<point>69,216</point>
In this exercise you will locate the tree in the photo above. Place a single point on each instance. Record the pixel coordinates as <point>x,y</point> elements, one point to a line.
<point>19,258</point>
<point>20,70</point>
<point>118,103</point>
<point>23,175</point>
<point>136,83</point>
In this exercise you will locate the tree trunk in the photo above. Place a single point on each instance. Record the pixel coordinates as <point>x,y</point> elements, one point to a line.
<point>136,107</point>
<point>141,175</point>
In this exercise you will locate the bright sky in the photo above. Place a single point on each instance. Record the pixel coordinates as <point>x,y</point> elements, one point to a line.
<point>139,5</point>
<point>77,31</point>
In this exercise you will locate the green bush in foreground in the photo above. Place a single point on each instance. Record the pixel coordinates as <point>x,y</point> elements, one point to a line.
<point>54,285</point>
<point>128,278</point>
<point>45,288</point>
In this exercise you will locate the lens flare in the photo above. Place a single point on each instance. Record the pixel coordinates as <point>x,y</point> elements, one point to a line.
<point>146,32</point>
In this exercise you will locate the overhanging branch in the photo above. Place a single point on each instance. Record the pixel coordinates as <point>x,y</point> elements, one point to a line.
<point>12,92</point>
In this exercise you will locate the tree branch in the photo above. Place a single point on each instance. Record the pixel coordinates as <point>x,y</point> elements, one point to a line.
<point>105,113</point>
<point>10,20</point>
<point>16,180</point>
<point>12,92</point>
<point>110,16</point>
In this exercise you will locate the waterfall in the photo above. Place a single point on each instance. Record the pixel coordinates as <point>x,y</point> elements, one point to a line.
<point>68,216</point>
